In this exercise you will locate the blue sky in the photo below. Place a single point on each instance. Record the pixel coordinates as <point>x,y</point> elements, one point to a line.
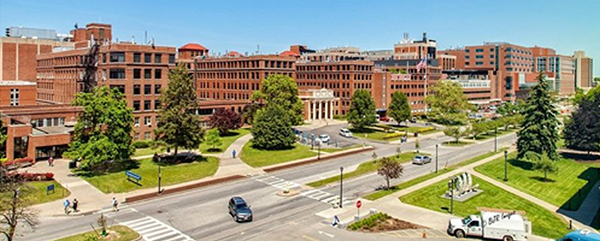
<point>275,25</point>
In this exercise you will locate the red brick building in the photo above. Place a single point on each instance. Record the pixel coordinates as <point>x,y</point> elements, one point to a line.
<point>18,56</point>
<point>559,69</point>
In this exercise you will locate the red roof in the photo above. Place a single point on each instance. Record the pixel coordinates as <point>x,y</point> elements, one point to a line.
<point>289,53</point>
<point>234,54</point>
<point>193,46</point>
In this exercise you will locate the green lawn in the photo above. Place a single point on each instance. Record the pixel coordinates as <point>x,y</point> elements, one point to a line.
<point>544,222</point>
<point>36,194</point>
<point>382,193</point>
<point>362,169</point>
<point>492,134</point>
<point>147,151</point>
<point>371,134</point>
<point>259,158</point>
<point>227,140</point>
<point>171,174</point>
<point>563,190</point>
<point>454,143</point>
<point>125,234</point>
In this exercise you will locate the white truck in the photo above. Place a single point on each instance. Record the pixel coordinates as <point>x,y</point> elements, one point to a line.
<point>507,226</point>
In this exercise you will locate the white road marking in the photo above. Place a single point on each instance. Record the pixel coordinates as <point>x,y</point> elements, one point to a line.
<point>152,229</point>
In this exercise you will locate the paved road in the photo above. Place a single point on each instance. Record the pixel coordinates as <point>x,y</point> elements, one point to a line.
<point>201,214</point>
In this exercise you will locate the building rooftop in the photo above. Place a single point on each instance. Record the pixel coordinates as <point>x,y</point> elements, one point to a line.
<point>193,46</point>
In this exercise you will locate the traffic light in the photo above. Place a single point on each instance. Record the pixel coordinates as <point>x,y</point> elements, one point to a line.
<point>7,32</point>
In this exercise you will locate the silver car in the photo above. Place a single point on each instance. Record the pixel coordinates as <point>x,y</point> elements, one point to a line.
<point>324,138</point>
<point>421,159</point>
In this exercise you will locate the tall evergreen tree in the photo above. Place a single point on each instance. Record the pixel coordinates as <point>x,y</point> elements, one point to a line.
<point>399,107</point>
<point>281,90</point>
<point>178,125</point>
<point>103,129</point>
<point>539,132</point>
<point>582,132</point>
<point>362,110</point>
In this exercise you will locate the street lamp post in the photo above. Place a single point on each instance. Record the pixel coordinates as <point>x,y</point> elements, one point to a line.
<point>159,178</point>
<point>341,185</point>
<point>496,138</point>
<point>451,187</point>
<point>319,149</point>
<point>505,165</point>
<point>436,158</point>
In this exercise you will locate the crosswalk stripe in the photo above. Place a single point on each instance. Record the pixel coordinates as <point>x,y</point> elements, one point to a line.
<point>145,227</point>
<point>309,192</point>
<point>152,229</point>
<point>330,199</point>
<point>163,235</point>
<point>135,221</point>
<point>275,182</point>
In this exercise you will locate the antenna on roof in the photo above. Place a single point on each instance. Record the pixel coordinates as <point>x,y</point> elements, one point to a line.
<point>258,49</point>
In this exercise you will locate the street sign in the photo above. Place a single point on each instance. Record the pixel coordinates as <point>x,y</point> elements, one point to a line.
<point>49,188</point>
<point>358,204</point>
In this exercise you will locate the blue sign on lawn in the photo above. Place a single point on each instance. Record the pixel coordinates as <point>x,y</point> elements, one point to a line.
<point>49,188</point>
<point>132,175</point>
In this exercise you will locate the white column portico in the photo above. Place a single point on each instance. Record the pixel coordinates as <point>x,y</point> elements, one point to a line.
<point>318,97</point>
<point>320,110</point>
<point>327,117</point>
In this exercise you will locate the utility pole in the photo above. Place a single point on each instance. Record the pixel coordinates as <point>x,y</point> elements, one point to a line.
<point>341,185</point>
<point>505,165</point>
<point>496,137</point>
<point>159,179</point>
<point>436,158</point>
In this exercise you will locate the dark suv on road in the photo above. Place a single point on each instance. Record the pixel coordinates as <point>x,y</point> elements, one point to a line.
<point>239,210</point>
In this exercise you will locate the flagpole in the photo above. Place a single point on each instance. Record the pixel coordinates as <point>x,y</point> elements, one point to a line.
<point>426,80</point>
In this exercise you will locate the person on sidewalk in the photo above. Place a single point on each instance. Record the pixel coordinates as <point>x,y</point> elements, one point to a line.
<point>233,153</point>
<point>66,205</point>
<point>75,205</point>
<point>51,161</point>
<point>115,205</point>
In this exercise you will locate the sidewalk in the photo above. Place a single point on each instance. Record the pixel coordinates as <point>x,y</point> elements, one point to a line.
<point>231,166</point>
<point>90,199</point>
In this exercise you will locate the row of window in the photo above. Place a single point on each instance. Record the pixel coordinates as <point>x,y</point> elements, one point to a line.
<point>240,75</point>
<point>119,57</point>
<point>147,89</point>
<point>147,136</point>
<point>147,105</point>
<point>137,73</point>
<point>406,87</point>
<point>147,121</point>
<point>48,122</point>
<point>247,64</point>
<point>304,76</point>
<point>334,68</point>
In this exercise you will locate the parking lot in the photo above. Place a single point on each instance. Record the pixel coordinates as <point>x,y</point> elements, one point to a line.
<point>333,132</point>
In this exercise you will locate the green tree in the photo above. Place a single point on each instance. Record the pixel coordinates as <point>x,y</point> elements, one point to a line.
<point>178,125</point>
<point>103,129</point>
<point>448,104</point>
<point>15,203</point>
<point>511,108</point>
<point>3,138</point>
<point>454,131</point>
<point>281,90</point>
<point>213,139</point>
<point>399,107</point>
<point>539,132</point>
<point>582,131</point>
<point>542,163</point>
<point>362,110</point>
<point>479,128</point>
<point>389,169</point>
<point>272,128</point>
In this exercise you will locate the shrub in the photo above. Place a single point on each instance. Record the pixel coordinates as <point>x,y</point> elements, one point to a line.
<point>28,177</point>
<point>425,129</point>
<point>142,144</point>
<point>369,222</point>
<point>19,162</point>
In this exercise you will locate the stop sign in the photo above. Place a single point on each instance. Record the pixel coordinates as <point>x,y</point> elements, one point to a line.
<point>358,204</point>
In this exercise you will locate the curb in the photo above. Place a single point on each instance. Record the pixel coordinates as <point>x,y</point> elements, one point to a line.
<point>141,197</point>
<point>315,159</point>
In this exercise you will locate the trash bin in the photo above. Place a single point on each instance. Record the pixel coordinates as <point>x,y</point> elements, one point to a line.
<point>72,164</point>
<point>416,134</point>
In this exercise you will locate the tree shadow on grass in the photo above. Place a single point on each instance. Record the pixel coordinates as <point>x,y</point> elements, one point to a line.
<point>285,148</point>
<point>591,176</point>
<point>542,179</point>
<point>184,157</point>
<point>213,150</point>
<point>525,165</point>
<point>109,167</point>
<point>580,157</point>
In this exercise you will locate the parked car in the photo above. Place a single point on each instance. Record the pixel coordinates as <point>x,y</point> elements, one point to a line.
<point>413,120</point>
<point>581,235</point>
<point>324,138</point>
<point>345,133</point>
<point>507,226</point>
<point>239,210</point>
<point>421,159</point>
<point>384,118</point>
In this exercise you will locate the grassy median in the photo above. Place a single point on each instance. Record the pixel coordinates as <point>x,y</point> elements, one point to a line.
<point>119,233</point>
<point>260,158</point>
<point>567,188</point>
<point>544,222</point>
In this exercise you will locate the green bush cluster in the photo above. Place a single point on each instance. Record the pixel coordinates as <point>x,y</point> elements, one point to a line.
<point>142,144</point>
<point>369,222</point>
<point>425,129</point>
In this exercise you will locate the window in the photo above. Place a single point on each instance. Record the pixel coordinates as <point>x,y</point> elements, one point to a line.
<point>467,57</point>
<point>147,89</point>
<point>158,58</point>
<point>171,58</point>
<point>147,73</point>
<point>479,50</point>
<point>467,63</point>
<point>121,88</point>
<point>117,73</point>
<point>136,105</point>
<point>147,57</point>
<point>137,73</point>
<point>137,57</point>
<point>136,136</point>
<point>467,50</point>
<point>479,57</point>
<point>136,89</point>
<point>157,73</point>
<point>147,135</point>
<point>137,122</point>
<point>118,57</point>
<point>148,120</point>
<point>156,104</point>
<point>479,63</point>
<point>14,97</point>
<point>147,105</point>
<point>156,89</point>
<point>103,58</point>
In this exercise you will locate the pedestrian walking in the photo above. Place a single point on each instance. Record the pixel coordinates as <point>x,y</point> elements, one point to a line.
<point>75,205</point>
<point>233,153</point>
<point>66,205</point>
<point>115,205</point>
<point>51,161</point>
